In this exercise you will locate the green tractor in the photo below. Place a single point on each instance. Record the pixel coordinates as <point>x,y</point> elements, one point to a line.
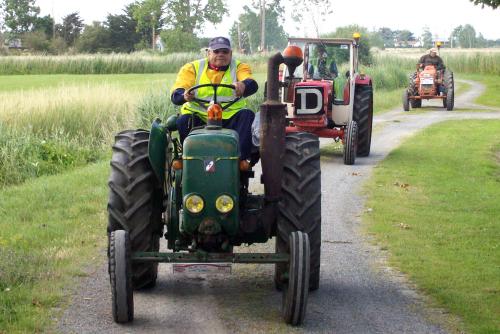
<point>196,195</point>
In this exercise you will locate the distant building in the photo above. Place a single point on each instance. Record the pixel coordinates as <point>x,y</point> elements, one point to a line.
<point>444,42</point>
<point>15,43</point>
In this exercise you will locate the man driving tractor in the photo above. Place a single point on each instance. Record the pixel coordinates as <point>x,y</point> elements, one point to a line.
<point>217,68</point>
<point>432,59</point>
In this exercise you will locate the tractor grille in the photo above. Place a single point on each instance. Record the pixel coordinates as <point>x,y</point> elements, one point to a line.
<point>308,100</point>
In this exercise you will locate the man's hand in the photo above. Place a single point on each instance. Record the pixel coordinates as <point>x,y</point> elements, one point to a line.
<point>240,88</point>
<point>188,96</point>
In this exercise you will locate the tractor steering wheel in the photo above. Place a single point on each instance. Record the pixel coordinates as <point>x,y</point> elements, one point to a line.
<point>203,102</point>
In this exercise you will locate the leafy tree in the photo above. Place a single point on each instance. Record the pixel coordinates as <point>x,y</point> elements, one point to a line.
<point>123,35</point>
<point>250,33</point>
<point>71,28</point>
<point>403,37</point>
<point>149,17</point>
<point>481,42</point>
<point>37,41</point>
<point>467,37</point>
<point>45,24</point>
<point>19,15</point>
<point>454,38</point>
<point>365,56</point>
<point>190,15</point>
<point>427,38</point>
<point>94,38</point>
<point>387,36</point>
<point>376,39</point>
<point>176,40</point>
<point>492,3</point>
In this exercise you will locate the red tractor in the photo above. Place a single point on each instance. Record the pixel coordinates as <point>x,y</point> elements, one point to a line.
<point>327,96</point>
<point>429,83</point>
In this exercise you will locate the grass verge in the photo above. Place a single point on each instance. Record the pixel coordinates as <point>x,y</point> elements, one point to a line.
<point>45,241</point>
<point>435,208</point>
<point>492,82</point>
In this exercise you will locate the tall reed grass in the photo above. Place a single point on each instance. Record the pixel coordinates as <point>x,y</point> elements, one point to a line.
<point>47,131</point>
<point>108,64</point>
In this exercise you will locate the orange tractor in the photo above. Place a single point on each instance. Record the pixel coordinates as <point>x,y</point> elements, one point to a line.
<point>429,83</point>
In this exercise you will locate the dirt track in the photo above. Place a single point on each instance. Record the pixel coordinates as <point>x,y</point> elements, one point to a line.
<point>358,293</point>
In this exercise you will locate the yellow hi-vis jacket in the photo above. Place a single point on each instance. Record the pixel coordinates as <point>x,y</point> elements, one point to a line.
<point>207,93</point>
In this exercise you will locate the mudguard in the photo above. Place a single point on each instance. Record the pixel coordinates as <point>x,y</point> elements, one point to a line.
<point>158,141</point>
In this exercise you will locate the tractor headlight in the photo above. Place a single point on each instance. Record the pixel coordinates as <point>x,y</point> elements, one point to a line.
<point>224,203</point>
<point>194,203</point>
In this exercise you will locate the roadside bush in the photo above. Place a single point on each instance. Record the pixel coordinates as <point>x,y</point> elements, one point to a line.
<point>42,134</point>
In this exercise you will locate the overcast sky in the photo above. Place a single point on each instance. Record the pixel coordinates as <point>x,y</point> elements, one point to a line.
<point>440,16</point>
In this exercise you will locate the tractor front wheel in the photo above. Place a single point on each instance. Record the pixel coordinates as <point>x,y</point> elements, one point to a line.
<point>296,292</point>
<point>350,143</point>
<point>362,114</point>
<point>300,205</point>
<point>135,201</point>
<point>120,276</point>
<point>406,101</point>
<point>449,87</point>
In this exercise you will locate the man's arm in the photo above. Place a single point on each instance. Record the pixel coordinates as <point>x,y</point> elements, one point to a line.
<point>440,65</point>
<point>422,60</point>
<point>186,78</point>
<point>244,76</point>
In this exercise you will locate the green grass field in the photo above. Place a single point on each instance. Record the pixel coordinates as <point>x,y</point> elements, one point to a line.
<point>52,227</point>
<point>436,210</point>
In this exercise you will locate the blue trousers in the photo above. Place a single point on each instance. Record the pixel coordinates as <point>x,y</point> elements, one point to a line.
<point>241,122</point>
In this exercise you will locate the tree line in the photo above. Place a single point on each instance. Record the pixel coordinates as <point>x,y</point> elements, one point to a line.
<point>177,24</point>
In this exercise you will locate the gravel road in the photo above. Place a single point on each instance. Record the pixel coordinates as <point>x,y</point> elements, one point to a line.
<point>359,293</point>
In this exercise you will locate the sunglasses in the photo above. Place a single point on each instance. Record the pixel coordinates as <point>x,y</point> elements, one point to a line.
<point>223,51</point>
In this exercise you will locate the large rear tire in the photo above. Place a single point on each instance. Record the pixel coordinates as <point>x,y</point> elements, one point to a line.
<point>449,87</point>
<point>300,206</point>
<point>350,143</point>
<point>135,201</point>
<point>120,276</point>
<point>363,115</point>
<point>296,289</point>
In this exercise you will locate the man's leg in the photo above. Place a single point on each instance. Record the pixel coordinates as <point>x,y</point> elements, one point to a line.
<point>185,123</point>
<point>242,123</point>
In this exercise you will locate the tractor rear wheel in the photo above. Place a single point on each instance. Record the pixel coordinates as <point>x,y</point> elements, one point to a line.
<point>296,291</point>
<point>406,102</point>
<point>120,276</point>
<point>135,201</point>
<point>363,115</point>
<point>449,87</point>
<point>300,206</point>
<point>350,143</point>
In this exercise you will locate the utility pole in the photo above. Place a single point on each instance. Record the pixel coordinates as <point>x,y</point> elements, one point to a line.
<point>263,25</point>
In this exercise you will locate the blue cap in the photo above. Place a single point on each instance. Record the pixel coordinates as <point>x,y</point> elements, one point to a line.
<point>219,43</point>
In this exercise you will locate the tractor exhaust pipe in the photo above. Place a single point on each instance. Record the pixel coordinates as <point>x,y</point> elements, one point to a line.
<point>272,144</point>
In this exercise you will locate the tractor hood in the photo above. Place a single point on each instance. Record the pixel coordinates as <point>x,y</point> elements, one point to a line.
<point>211,170</point>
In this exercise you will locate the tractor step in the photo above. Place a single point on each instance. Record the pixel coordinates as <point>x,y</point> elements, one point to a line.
<point>203,257</point>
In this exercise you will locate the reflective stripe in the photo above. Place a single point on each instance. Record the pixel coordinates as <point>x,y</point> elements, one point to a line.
<point>201,65</point>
